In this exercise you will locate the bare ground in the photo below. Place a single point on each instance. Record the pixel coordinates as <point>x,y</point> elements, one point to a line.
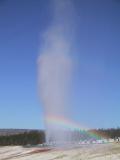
<point>109,151</point>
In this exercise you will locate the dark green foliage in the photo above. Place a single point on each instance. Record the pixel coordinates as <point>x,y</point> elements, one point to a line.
<point>32,138</point>
<point>94,134</point>
<point>110,133</point>
<point>38,137</point>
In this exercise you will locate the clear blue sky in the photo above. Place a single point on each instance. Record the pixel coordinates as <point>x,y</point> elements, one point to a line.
<point>96,81</point>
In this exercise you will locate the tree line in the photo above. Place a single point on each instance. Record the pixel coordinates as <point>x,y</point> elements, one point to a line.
<point>111,132</point>
<point>93,134</point>
<point>38,137</point>
<point>31,138</point>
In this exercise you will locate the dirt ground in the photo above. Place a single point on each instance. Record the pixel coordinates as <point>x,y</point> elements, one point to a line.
<point>109,151</point>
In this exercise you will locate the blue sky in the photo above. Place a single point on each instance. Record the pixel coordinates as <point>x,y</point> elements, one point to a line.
<point>95,96</point>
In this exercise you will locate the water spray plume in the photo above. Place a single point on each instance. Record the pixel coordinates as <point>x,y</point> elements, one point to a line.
<point>55,67</point>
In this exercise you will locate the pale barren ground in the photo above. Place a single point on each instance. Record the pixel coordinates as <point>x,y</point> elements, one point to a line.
<point>109,151</point>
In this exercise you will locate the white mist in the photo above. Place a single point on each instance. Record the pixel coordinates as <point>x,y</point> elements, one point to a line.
<point>55,68</point>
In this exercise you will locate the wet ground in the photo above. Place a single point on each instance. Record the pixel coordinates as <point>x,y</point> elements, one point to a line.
<point>109,151</point>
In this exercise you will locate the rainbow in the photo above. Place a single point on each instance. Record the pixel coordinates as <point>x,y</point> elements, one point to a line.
<point>71,125</point>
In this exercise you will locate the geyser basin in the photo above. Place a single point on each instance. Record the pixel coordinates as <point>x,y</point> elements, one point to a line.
<point>93,152</point>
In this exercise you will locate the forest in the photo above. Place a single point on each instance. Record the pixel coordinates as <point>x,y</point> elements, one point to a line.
<point>32,138</point>
<point>38,137</point>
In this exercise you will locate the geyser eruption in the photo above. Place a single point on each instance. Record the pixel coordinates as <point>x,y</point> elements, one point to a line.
<point>55,68</point>
<point>54,76</point>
